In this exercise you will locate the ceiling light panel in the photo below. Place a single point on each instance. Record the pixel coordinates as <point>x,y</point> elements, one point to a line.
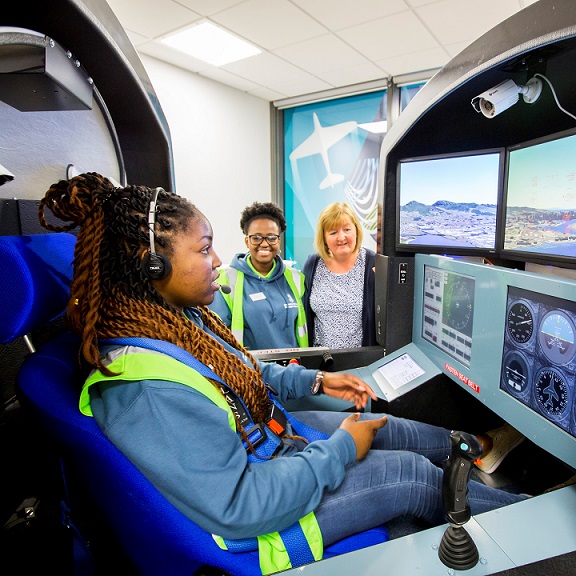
<point>211,44</point>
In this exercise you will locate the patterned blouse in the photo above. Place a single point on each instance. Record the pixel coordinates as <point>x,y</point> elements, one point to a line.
<point>336,300</point>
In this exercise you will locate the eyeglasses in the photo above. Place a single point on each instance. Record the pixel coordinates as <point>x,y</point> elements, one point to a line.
<point>257,239</point>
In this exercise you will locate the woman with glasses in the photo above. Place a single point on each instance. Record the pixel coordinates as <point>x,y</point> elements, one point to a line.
<point>264,308</point>
<point>339,297</point>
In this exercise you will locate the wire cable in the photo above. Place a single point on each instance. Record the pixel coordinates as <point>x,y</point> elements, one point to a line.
<point>554,94</point>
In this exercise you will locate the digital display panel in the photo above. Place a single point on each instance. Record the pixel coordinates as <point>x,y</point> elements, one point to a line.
<point>449,202</point>
<point>448,312</point>
<point>540,206</point>
<point>538,363</point>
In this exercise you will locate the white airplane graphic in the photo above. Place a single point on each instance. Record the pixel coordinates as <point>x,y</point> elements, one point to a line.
<point>322,138</point>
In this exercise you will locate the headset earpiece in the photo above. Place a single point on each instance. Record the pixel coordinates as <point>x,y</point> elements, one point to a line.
<point>155,266</point>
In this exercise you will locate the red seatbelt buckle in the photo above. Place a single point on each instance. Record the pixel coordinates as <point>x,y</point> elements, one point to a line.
<point>276,420</point>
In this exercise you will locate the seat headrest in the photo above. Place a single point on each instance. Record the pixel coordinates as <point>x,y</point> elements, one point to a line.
<point>35,275</point>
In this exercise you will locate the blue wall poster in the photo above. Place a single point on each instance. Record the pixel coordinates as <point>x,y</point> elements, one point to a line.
<point>331,154</point>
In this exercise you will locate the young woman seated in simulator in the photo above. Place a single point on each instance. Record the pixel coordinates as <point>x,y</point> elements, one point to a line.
<point>176,426</point>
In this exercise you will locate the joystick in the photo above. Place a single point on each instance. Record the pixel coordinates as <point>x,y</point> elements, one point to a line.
<point>457,549</point>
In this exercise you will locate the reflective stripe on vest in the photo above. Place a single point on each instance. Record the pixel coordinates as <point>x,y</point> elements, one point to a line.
<point>135,363</point>
<point>292,276</point>
<point>138,364</point>
<point>300,543</point>
<point>236,305</point>
<point>284,549</point>
<point>235,279</point>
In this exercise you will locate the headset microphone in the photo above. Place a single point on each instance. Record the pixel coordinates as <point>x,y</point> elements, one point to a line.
<point>155,266</point>
<point>225,288</point>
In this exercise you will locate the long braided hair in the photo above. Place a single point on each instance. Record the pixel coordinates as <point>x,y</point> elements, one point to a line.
<point>111,297</point>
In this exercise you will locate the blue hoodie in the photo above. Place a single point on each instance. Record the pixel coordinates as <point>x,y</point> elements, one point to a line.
<point>269,306</point>
<point>182,442</point>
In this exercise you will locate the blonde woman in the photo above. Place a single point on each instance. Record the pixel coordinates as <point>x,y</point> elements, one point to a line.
<point>339,297</point>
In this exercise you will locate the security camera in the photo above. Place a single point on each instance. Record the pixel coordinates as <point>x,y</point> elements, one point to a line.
<point>506,94</point>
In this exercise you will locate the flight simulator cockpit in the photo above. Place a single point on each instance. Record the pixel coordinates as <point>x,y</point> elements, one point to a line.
<point>476,285</point>
<point>475,273</point>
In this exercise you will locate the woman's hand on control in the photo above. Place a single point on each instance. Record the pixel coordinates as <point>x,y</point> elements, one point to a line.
<point>347,387</point>
<point>362,432</point>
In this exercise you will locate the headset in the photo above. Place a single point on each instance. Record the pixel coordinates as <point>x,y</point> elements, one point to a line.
<point>155,266</point>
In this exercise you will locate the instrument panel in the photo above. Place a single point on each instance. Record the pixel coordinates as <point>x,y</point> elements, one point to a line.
<point>538,366</point>
<point>448,312</point>
<point>508,337</point>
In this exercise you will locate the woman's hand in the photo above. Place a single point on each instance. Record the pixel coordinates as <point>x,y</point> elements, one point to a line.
<point>362,432</point>
<point>347,387</point>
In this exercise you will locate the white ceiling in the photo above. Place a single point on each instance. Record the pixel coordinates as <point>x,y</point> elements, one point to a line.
<point>314,45</point>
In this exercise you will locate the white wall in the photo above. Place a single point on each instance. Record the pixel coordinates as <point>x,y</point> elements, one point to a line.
<point>221,145</point>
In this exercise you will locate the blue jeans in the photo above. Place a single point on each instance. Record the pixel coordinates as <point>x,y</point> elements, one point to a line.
<point>400,476</point>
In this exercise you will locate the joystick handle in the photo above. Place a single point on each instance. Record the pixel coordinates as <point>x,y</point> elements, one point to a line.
<point>465,449</point>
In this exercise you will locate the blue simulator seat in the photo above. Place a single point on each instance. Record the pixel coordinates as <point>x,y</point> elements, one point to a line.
<point>155,536</point>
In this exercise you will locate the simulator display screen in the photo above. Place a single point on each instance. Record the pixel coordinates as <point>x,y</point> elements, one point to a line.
<point>448,312</point>
<point>540,208</point>
<point>449,201</point>
<point>538,365</point>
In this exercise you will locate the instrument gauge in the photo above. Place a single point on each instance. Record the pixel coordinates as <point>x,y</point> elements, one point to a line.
<point>515,373</point>
<point>459,302</point>
<point>551,392</point>
<point>520,322</point>
<point>556,336</point>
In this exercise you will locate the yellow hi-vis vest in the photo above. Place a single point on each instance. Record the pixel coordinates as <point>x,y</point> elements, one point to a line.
<point>130,363</point>
<point>235,279</point>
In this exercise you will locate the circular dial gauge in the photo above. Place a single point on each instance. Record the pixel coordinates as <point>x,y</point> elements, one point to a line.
<point>459,300</point>
<point>516,373</point>
<point>551,392</point>
<point>556,337</point>
<point>520,322</point>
